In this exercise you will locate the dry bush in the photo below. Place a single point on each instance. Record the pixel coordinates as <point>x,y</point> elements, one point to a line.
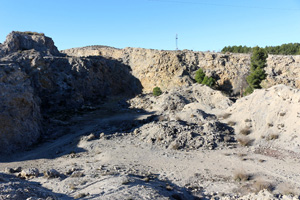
<point>241,176</point>
<point>231,123</point>
<point>245,141</point>
<point>282,114</point>
<point>259,185</point>
<point>80,196</point>
<point>270,125</point>
<point>175,146</point>
<point>225,116</point>
<point>272,137</point>
<point>245,131</point>
<point>72,186</point>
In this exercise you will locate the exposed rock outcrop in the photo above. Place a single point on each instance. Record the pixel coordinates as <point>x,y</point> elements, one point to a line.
<point>35,79</point>
<point>187,118</point>
<point>20,117</point>
<point>175,68</point>
<point>20,41</point>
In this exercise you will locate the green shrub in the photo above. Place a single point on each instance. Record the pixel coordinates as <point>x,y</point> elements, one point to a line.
<point>209,81</point>
<point>157,91</point>
<point>205,80</point>
<point>199,76</point>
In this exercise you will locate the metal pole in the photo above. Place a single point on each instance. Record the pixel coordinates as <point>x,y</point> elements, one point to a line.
<point>176,41</point>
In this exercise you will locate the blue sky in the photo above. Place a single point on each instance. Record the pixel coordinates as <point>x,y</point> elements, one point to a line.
<point>201,25</point>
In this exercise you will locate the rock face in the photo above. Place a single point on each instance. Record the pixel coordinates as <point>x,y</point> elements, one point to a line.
<point>167,69</point>
<point>35,79</point>
<point>19,109</point>
<point>20,41</point>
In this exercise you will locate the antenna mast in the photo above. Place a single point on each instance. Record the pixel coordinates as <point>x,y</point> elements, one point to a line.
<point>176,41</point>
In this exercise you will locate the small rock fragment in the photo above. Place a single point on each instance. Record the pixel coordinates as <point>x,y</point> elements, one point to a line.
<point>51,173</point>
<point>29,173</point>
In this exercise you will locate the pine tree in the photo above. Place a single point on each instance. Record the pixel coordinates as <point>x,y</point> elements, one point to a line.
<point>258,63</point>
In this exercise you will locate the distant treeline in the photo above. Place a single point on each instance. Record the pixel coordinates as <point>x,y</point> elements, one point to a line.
<point>285,49</point>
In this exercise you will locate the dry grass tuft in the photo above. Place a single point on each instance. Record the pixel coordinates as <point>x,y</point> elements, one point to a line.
<point>272,137</point>
<point>245,141</point>
<point>80,196</point>
<point>231,123</point>
<point>175,146</point>
<point>245,131</point>
<point>241,176</point>
<point>259,185</point>
<point>270,125</point>
<point>225,116</point>
<point>193,115</point>
<point>72,186</point>
<point>282,114</point>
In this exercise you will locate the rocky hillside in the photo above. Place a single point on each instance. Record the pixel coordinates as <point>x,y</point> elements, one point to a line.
<point>36,80</point>
<point>167,69</point>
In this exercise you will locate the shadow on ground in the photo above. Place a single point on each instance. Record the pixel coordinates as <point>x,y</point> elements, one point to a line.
<point>66,132</point>
<point>14,188</point>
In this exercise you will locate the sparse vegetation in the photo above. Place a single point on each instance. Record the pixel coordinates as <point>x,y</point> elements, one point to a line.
<point>245,131</point>
<point>199,75</point>
<point>72,186</point>
<point>225,116</point>
<point>241,176</point>
<point>201,78</point>
<point>244,141</point>
<point>259,185</point>
<point>175,146</point>
<point>30,33</point>
<point>157,91</point>
<point>282,114</point>
<point>80,195</point>
<point>231,123</point>
<point>272,136</point>
<point>270,125</point>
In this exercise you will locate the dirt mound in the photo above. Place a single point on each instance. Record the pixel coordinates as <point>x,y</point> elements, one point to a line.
<point>270,115</point>
<point>186,118</point>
